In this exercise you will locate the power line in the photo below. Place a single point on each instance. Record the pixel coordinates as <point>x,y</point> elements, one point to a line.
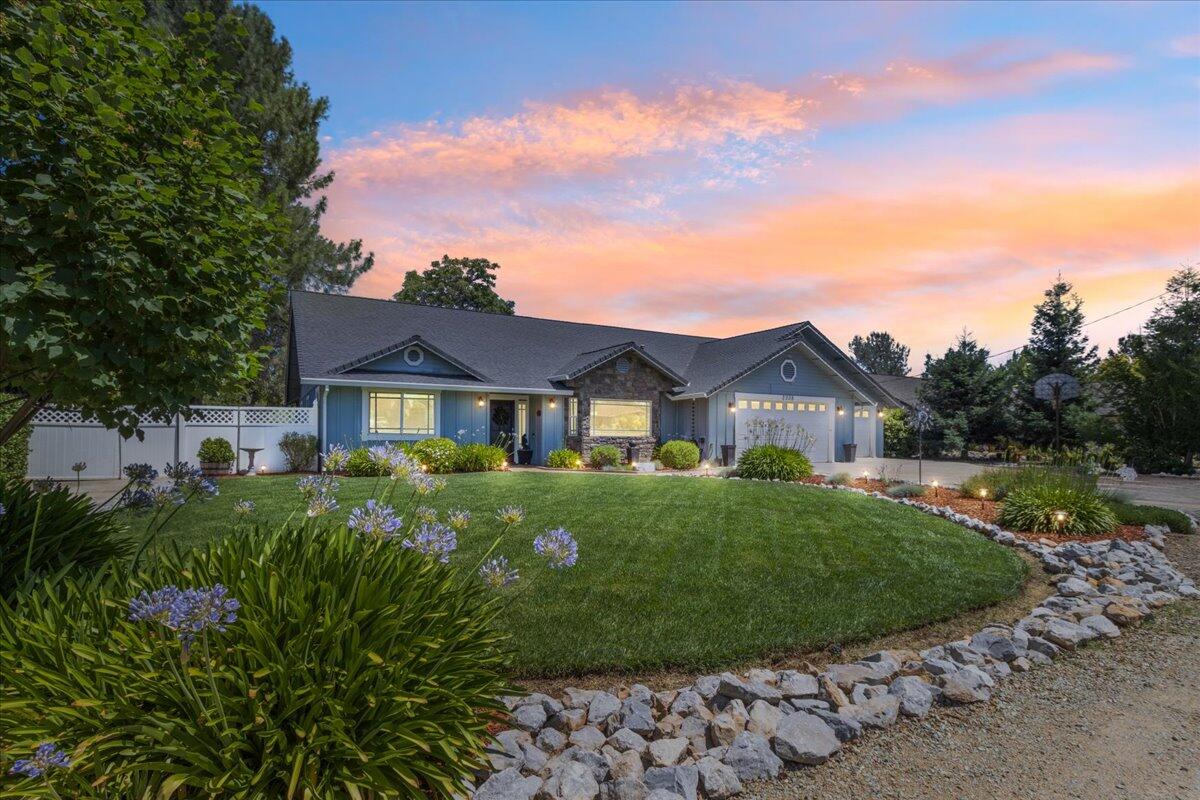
<point>1091,322</point>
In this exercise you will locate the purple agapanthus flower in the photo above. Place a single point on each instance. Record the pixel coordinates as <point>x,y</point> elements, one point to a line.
<point>433,539</point>
<point>142,474</point>
<point>137,498</point>
<point>459,520</point>
<point>163,496</point>
<point>335,458</point>
<point>312,485</point>
<point>375,520</point>
<point>558,547</point>
<point>153,606</point>
<point>182,473</point>
<point>425,514</point>
<point>496,573</point>
<point>46,757</point>
<point>320,505</point>
<point>3,510</point>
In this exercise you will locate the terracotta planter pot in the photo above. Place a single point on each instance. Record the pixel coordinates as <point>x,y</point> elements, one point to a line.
<point>213,468</point>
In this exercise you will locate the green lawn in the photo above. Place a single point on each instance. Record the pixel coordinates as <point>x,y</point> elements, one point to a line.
<point>677,572</point>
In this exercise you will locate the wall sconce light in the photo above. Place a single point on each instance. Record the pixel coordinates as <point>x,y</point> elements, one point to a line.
<point>479,402</point>
<point>731,408</point>
<point>879,413</point>
<point>841,411</point>
<point>553,402</point>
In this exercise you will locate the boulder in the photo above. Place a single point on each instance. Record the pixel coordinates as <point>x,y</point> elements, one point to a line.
<point>574,781</point>
<point>687,701</point>
<point>865,691</point>
<point>707,686</point>
<point>844,727</point>
<point>725,727</point>
<point>589,738</point>
<point>747,691</point>
<point>717,781</point>
<point>663,794</point>
<point>1076,587</point>
<point>636,715</point>
<point>1067,635</point>
<point>551,740</point>
<point>751,758</point>
<point>667,752</point>
<point>679,780</point>
<point>623,789</point>
<point>1102,626</point>
<point>995,644</point>
<point>534,759</point>
<point>506,752</point>
<point>793,683</point>
<point>969,685</point>
<point>598,763</point>
<point>602,706</point>
<point>627,766</point>
<point>1122,613</point>
<point>764,718</point>
<point>916,696</point>
<point>530,717</point>
<point>578,698</point>
<point>769,677</point>
<point>805,739</point>
<point>508,784</point>
<point>877,712</point>
<point>846,675</point>
<point>830,692</point>
<point>569,719</point>
<point>625,739</point>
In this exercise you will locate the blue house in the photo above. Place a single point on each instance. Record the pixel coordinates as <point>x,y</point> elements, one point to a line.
<point>385,371</point>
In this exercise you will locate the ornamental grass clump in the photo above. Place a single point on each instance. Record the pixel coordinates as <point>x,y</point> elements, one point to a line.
<point>479,457</point>
<point>770,462</point>
<point>906,490</point>
<point>564,458</point>
<point>318,659</point>
<point>1057,507</point>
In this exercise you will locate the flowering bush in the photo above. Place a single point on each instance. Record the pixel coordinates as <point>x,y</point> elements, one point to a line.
<point>604,455</point>
<point>679,454</point>
<point>481,458</point>
<point>42,532</point>
<point>318,659</point>
<point>564,458</point>
<point>438,454</point>
<point>769,462</point>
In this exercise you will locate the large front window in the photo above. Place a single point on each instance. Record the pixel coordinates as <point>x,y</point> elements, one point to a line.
<point>405,413</point>
<point>620,418</point>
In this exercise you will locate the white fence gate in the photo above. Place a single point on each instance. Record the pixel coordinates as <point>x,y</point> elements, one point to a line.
<point>61,438</point>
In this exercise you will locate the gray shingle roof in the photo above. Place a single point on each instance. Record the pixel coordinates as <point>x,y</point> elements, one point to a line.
<point>902,387</point>
<point>334,334</point>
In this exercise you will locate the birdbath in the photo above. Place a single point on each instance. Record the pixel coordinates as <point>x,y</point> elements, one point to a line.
<point>250,451</point>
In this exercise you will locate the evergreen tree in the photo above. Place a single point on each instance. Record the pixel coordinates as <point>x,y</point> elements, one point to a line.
<point>964,393</point>
<point>880,354</point>
<point>284,116</point>
<point>468,283</point>
<point>1057,344</point>
<point>1153,381</point>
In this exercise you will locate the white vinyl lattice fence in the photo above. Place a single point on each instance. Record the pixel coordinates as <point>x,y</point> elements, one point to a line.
<point>61,438</point>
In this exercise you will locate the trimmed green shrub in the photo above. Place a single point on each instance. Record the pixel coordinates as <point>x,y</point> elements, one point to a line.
<point>215,450</point>
<point>769,462</point>
<point>604,455</point>
<point>438,454</point>
<point>1036,507</point>
<point>14,454</point>
<point>1132,514</point>
<point>299,450</point>
<point>360,465</point>
<point>354,668</point>
<point>839,479</point>
<point>680,454</point>
<point>481,458</point>
<point>42,532</point>
<point>564,458</point>
<point>906,490</point>
<point>999,482</point>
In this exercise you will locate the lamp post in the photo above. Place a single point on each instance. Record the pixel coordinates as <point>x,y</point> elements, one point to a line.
<point>982,497</point>
<point>1060,521</point>
<point>935,490</point>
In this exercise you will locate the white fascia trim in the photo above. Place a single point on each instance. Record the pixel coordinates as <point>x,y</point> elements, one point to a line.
<point>436,387</point>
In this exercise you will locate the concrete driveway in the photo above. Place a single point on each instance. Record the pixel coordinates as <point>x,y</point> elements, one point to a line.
<point>1168,492</point>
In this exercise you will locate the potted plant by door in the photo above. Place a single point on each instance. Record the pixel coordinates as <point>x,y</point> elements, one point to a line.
<point>525,452</point>
<point>215,456</point>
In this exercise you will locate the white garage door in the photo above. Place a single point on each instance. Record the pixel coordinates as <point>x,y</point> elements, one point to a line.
<point>764,416</point>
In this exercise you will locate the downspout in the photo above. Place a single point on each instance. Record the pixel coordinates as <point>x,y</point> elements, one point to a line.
<point>322,391</point>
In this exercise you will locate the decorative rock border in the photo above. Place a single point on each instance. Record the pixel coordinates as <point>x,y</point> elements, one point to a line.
<point>706,739</point>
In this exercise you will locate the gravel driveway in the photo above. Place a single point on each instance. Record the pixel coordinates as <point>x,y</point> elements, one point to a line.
<point>1116,720</point>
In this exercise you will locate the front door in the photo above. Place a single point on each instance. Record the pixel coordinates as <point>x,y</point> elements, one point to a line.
<point>502,419</point>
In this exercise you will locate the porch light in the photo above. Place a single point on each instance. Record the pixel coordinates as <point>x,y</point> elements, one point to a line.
<point>841,411</point>
<point>553,402</point>
<point>731,408</point>
<point>879,413</point>
<point>479,402</point>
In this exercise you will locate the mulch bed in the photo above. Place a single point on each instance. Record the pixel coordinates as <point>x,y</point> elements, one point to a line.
<point>989,510</point>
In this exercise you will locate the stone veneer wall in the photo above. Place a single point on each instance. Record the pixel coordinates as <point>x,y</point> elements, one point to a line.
<point>641,382</point>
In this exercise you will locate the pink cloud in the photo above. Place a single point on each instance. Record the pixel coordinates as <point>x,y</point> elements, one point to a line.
<point>1187,46</point>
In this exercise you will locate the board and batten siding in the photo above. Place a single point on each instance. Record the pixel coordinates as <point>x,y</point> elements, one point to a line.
<point>547,426</point>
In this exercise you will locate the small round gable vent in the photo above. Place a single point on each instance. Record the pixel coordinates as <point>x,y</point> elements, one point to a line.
<point>787,370</point>
<point>622,365</point>
<point>413,356</point>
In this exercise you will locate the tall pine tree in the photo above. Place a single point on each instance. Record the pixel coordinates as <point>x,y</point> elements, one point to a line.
<point>1057,344</point>
<point>964,393</point>
<point>880,354</point>
<point>285,117</point>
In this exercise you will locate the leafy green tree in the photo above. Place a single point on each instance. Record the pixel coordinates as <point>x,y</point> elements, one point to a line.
<point>880,354</point>
<point>964,393</point>
<point>1153,380</point>
<point>285,118</point>
<point>468,283</point>
<point>135,259</point>
<point>899,435</point>
<point>1057,343</point>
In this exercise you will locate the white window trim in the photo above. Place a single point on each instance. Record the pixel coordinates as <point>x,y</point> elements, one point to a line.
<point>572,416</point>
<point>649,417</point>
<point>420,356</point>
<point>399,437</point>
<point>795,371</point>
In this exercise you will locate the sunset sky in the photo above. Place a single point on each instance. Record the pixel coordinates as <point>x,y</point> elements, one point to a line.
<point>717,169</point>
